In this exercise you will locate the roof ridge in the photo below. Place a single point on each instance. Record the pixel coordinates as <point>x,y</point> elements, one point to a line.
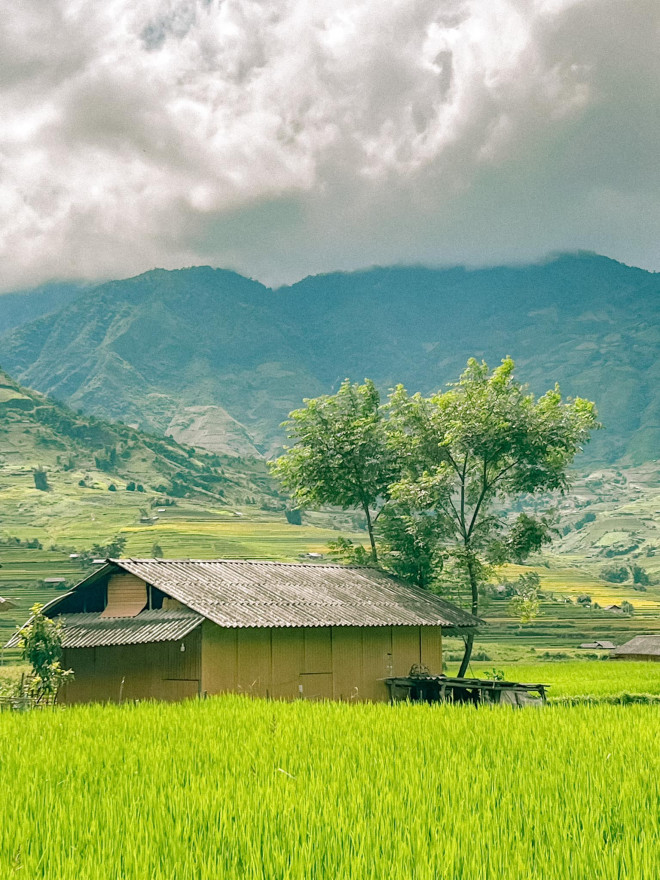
<point>163,561</point>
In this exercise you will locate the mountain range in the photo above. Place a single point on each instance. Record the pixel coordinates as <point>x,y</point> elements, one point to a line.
<point>218,360</point>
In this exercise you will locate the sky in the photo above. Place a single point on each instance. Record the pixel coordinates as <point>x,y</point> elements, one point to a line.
<point>282,138</point>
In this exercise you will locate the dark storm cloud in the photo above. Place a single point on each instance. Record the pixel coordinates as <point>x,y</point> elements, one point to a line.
<point>282,137</point>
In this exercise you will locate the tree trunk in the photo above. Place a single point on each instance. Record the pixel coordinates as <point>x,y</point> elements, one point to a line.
<point>465,662</point>
<point>370,529</point>
<point>474,587</point>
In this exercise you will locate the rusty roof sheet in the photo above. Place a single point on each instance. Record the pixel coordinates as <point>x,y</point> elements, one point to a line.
<point>649,645</point>
<point>93,631</point>
<point>279,594</point>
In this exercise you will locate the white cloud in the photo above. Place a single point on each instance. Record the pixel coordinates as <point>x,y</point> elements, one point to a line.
<point>283,137</point>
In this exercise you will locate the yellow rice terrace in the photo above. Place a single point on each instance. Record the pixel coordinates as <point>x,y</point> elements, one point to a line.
<point>233,787</point>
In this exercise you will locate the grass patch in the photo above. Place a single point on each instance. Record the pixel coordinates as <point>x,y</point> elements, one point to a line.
<point>240,788</point>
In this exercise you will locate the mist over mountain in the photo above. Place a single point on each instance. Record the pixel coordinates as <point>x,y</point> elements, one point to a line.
<point>218,360</point>
<point>25,305</point>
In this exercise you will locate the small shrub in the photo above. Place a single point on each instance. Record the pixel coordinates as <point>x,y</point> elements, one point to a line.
<point>40,477</point>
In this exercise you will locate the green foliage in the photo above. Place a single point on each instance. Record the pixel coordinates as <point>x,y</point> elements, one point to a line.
<point>340,454</point>
<point>40,476</point>
<point>114,549</point>
<point>157,551</point>
<point>627,607</point>
<point>615,574</point>
<point>293,516</point>
<point>411,544</point>
<point>348,552</point>
<point>40,644</point>
<point>470,451</point>
<point>640,576</point>
<point>584,520</point>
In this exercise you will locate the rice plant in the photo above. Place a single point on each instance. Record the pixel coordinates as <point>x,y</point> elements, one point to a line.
<point>239,788</point>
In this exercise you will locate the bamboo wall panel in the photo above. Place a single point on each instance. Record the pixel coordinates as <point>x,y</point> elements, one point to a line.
<point>316,686</point>
<point>288,654</point>
<point>347,662</point>
<point>376,662</point>
<point>318,649</point>
<point>254,661</point>
<point>258,661</point>
<point>431,640</point>
<point>183,664</point>
<point>405,649</point>
<point>127,596</point>
<point>219,659</point>
<point>132,672</point>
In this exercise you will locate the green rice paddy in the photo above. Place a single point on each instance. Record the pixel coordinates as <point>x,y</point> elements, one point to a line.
<point>238,788</point>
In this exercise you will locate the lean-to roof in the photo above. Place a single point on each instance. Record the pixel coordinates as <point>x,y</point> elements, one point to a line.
<point>90,630</point>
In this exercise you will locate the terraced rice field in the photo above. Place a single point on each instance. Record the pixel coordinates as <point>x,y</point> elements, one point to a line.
<point>585,678</point>
<point>240,788</point>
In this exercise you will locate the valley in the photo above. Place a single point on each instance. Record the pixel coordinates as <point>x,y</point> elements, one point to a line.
<point>180,381</point>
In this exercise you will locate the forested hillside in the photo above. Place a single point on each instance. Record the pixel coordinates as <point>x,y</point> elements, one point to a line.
<point>218,360</point>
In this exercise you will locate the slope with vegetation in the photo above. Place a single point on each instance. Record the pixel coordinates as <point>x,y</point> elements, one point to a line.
<point>192,350</point>
<point>73,484</point>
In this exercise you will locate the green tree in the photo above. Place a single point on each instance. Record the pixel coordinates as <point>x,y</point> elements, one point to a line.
<point>525,603</point>
<point>340,454</point>
<point>469,452</point>
<point>40,476</point>
<point>40,643</point>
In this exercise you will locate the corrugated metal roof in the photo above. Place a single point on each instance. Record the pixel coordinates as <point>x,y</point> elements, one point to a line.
<point>94,631</point>
<point>649,645</point>
<point>279,594</point>
<point>6,604</point>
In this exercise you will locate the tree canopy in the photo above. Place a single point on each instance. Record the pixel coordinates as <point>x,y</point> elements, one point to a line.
<point>340,455</point>
<point>438,476</point>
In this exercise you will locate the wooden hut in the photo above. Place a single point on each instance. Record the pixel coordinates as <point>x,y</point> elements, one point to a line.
<point>639,648</point>
<point>170,629</point>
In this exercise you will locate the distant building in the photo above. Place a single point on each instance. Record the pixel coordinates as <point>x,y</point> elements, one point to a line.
<point>599,646</point>
<point>169,629</point>
<point>6,605</point>
<point>639,648</point>
<point>614,609</point>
